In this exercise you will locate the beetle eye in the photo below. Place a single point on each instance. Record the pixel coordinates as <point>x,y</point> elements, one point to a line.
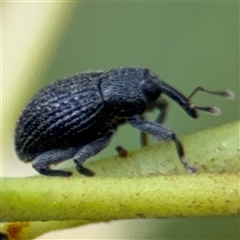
<point>151,90</point>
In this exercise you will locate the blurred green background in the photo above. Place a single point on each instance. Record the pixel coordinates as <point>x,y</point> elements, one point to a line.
<point>188,44</point>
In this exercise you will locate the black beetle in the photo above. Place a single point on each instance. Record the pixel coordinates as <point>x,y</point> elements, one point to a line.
<point>77,116</point>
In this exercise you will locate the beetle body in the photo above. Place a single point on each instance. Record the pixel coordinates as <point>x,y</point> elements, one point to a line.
<point>77,116</point>
<point>67,113</point>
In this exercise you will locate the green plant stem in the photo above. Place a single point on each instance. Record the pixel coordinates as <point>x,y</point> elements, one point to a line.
<point>107,199</point>
<point>149,183</point>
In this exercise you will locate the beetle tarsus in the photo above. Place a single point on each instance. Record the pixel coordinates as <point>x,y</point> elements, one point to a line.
<point>181,154</point>
<point>191,169</point>
<point>187,166</point>
<point>54,173</point>
<point>85,171</point>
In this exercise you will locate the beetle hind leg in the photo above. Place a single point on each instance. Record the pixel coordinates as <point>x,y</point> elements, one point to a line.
<point>43,161</point>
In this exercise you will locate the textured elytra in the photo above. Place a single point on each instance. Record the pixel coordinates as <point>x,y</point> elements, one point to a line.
<point>58,114</point>
<point>77,116</point>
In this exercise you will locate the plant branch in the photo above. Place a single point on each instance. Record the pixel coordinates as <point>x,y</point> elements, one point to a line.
<point>99,199</point>
<point>149,183</point>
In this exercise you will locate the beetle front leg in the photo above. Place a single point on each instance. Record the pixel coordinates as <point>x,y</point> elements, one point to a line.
<point>159,131</point>
<point>88,151</point>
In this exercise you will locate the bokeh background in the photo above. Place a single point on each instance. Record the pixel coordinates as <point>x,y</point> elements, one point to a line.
<point>186,43</point>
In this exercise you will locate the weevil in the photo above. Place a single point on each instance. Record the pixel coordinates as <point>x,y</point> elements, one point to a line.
<point>76,117</point>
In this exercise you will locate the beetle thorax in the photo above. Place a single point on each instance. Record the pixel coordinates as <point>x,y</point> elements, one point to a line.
<point>122,94</point>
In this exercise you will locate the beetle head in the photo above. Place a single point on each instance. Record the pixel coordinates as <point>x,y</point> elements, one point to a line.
<point>153,86</point>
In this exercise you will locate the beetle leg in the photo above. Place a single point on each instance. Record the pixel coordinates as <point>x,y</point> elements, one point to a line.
<point>143,135</point>
<point>162,106</point>
<point>88,151</point>
<point>159,131</point>
<point>43,161</point>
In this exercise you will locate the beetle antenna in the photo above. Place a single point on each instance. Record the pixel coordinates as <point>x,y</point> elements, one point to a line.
<point>227,94</point>
<point>185,103</point>
<point>212,110</point>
